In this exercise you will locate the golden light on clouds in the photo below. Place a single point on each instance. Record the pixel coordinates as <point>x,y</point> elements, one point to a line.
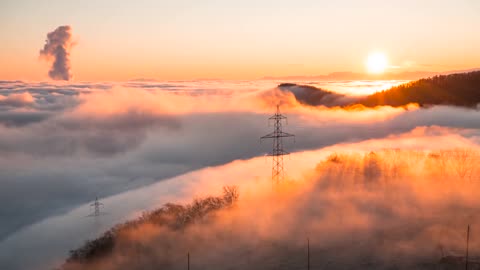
<point>377,62</point>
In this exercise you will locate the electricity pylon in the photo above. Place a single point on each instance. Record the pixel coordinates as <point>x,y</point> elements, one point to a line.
<point>96,204</point>
<point>277,151</point>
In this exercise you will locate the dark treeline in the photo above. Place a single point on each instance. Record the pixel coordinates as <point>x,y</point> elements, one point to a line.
<point>171,216</point>
<point>462,89</point>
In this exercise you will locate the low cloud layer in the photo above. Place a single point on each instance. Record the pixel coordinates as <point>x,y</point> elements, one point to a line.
<point>252,177</point>
<point>17,100</point>
<point>360,210</point>
<point>73,142</point>
<point>57,50</point>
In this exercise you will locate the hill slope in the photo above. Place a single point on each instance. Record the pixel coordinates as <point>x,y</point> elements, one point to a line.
<point>313,96</point>
<point>462,89</point>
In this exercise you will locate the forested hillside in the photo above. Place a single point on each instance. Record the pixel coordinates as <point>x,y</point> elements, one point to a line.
<point>462,89</point>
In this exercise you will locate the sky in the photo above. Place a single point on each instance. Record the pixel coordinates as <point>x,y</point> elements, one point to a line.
<point>105,132</point>
<point>187,40</point>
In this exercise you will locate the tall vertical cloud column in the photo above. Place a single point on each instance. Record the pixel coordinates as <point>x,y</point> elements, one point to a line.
<point>57,49</point>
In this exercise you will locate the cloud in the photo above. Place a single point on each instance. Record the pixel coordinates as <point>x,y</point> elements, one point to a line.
<point>405,215</point>
<point>17,100</point>
<point>22,118</point>
<point>94,175</point>
<point>78,141</point>
<point>57,47</point>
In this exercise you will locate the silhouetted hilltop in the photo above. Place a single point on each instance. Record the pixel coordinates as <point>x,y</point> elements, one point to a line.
<point>313,96</point>
<point>171,217</point>
<point>462,89</point>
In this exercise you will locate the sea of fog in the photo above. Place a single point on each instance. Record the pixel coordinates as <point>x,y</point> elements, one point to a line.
<point>137,145</point>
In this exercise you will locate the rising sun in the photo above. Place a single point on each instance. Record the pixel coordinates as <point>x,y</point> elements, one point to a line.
<point>377,63</point>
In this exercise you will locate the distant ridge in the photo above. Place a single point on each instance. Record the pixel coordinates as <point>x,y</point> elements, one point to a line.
<point>459,89</point>
<point>311,95</point>
<point>347,75</point>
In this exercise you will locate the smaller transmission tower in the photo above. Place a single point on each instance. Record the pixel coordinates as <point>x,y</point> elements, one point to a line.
<point>277,151</point>
<point>96,205</point>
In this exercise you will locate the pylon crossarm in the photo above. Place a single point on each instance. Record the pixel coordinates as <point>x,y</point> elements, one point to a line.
<point>268,136</point>
<point>277,135</point>
<point>277,117</point>
<point>284,134</point>
<point>277,154</point>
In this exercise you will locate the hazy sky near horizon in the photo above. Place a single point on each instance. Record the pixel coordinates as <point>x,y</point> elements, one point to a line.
<point>121,40</point>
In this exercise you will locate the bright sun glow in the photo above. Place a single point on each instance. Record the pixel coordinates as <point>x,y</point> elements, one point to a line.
<point>377,63</point>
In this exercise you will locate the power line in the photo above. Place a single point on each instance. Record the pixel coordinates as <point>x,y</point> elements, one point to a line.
<point>277,151</point>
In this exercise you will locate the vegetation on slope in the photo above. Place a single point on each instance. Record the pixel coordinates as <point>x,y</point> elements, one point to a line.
<point>462,89</point>
<point>172,216</point>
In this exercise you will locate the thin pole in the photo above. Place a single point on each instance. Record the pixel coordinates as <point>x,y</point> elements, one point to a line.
<point>308,253</point>
<point>188,261</point>
<point>468,238</point>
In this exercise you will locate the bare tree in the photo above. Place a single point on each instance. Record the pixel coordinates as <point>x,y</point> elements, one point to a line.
<point>393,163</point>
<point>371,167</point>
<point>464,162</point>
<point>230,194</point>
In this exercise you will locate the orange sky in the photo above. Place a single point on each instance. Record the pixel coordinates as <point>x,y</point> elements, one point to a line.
<point>176,40</point>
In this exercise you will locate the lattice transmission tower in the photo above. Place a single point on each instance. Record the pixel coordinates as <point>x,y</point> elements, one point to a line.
<point>96,205</point>
<point>277,152</point>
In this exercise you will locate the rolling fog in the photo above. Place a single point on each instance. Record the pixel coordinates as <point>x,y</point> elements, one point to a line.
<point>404,208</point>
<point>62,145</point>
